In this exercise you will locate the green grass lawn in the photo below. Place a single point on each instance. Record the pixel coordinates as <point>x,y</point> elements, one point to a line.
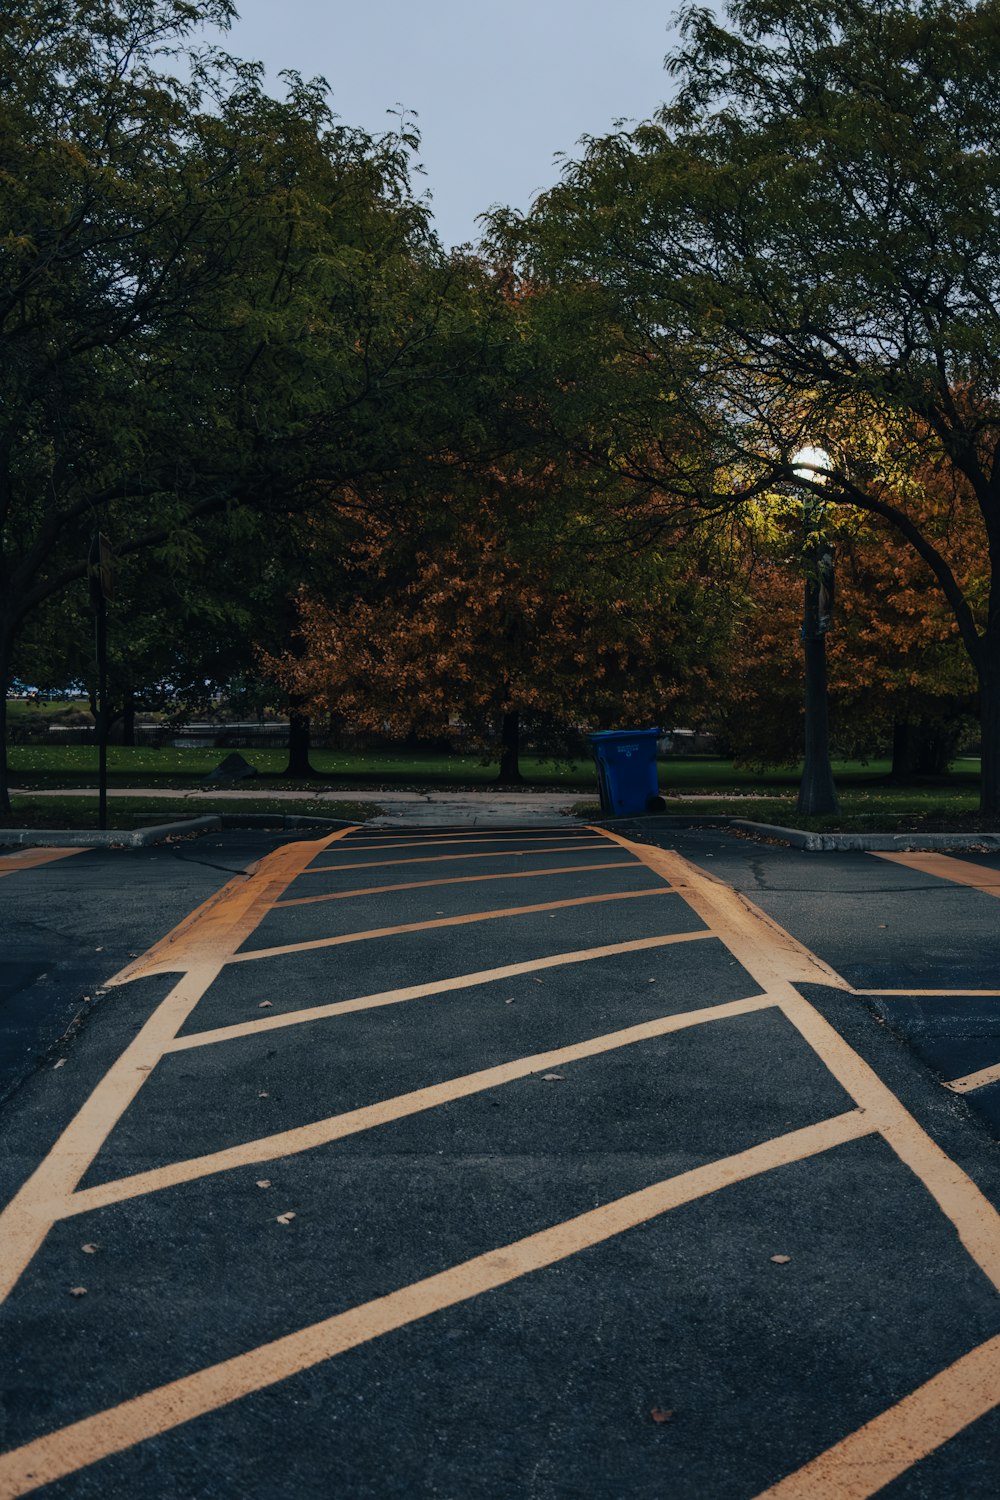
<point>134,812</point>
<point>869,800</point>
<point>76,765</point>
<point>18,710</point>
<point>949,808</point>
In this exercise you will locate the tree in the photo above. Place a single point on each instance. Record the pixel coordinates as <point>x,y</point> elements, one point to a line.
<point>900,680</point>
<point>211,301</point>
<point>513,616</point>
<point>803,248</point>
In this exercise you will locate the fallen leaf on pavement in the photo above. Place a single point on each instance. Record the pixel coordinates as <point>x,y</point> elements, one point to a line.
<point>285,1218</point>
<point>266,1005</point>
<point>551,1077</point>
<point>264,1182</point>
<point>510,1001</point>
<point>264,1095</point>
<point>781,1260</point>
<point>78,1291</point>
<point>60,1064</point>
<point>89,1249</point>
<point>659,1414</point>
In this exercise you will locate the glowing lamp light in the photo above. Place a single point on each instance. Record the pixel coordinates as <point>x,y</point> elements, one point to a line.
<point>816,458</point>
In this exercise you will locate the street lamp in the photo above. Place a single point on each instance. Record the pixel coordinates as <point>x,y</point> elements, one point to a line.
<point>817,793</point>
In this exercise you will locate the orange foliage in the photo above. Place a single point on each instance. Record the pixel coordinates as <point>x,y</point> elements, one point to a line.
<point>499,618</point>
<point>894,653</point>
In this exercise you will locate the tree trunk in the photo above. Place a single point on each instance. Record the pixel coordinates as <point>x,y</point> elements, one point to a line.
<point>5,665</point>
<point>935,748</point>
<point>298,746</point>
<point>902,757</point>
<point>817,793</point>
<point>989,716</point>
<point>510,747</point>
<point>128,719</point>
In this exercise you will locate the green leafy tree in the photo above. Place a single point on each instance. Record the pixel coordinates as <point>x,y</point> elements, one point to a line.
<point>210,300</point>
<point>803,248</point>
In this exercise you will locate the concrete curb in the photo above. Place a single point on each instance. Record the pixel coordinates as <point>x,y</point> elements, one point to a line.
<point>868,842</point>
<point>815,843</point>
<point>142,838</point>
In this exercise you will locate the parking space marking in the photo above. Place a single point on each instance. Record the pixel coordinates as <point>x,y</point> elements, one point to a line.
<point>774,960</point>
<point>947,867</point>
<point>203,940</point>
<point>540,832</point>
<point>422,991</point>
<point>931,994</point>
<point>433,859</point>
<point>977,1080</point>
<point>368,1116</point>
<point>778,962</point>
<point>775,956</point>
<point>464,838</point>
<point>419,885</point>
<point>462,921</point>
<point>31,859</point>
<point>884,1448</point>
<point>168,1406</point>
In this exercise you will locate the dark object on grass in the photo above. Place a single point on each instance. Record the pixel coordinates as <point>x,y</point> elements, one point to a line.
<point>233,768</point>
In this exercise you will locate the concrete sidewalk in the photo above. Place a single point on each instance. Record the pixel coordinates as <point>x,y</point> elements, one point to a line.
<point>399,808</point>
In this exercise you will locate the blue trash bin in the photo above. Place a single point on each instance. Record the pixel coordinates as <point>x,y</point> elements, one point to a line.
<point>626,771</point>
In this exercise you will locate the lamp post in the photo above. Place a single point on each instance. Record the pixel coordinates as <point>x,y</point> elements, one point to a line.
<point>99,567</point>
<point>817,793</point>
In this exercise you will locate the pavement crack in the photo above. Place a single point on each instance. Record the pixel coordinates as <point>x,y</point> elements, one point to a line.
<point>232,870</point>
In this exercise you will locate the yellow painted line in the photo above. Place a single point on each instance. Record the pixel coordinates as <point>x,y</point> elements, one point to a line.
<point>168,1406</point>
<point>368,1116</point>
<point>444,836</point>
<point>877,1453</point>
<point>227,918</point>
<point>30,859</point>
<point>942,994</point>
<point>419,885</point>
<point>463,838</point>
<point>773,952</point>
<point>468,917</point>
<point>431,859</point>
<point>947,867</point>
<point>978,1080</point>
<point>206,938</point>
<point>422,991</point>
<point>778,962</point>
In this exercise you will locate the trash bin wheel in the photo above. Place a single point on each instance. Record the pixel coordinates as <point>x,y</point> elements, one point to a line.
<point>656,804</point>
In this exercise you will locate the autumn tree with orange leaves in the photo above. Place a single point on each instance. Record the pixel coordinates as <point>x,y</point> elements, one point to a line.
<point>900,679</point>
<point>513,622</point>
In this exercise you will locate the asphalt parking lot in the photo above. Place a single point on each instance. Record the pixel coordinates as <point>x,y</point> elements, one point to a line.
<point>533,1162</point>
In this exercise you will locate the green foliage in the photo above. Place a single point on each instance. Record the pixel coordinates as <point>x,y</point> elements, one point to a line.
<point>213,303</point>
<point>801,248</point>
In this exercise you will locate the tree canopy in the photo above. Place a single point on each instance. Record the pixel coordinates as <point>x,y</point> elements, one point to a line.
<point>802,247</point>
<point>211,300</point>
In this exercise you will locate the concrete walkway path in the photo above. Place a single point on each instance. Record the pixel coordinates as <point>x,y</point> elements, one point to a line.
<point>399,809</point>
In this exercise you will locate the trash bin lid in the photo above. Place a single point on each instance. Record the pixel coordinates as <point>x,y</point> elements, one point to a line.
<point>623,734</point>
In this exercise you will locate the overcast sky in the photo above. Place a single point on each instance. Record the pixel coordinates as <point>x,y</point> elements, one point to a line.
<point>498,89</point>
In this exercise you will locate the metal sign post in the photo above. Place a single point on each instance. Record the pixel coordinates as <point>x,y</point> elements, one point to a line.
<point>99,568</point>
